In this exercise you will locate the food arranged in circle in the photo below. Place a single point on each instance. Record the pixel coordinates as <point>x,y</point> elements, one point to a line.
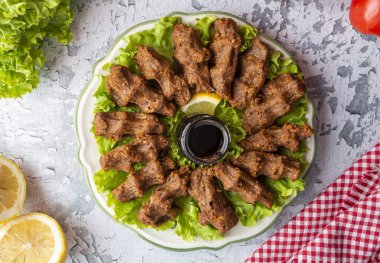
<point>250,100</point>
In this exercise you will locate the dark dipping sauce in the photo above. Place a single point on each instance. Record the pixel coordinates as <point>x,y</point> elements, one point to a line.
<point>203,139</point>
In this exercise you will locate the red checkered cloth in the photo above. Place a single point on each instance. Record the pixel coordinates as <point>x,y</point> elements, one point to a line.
<point>341,225</point>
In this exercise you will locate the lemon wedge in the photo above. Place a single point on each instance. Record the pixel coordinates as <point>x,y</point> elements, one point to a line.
<point>202,103</point>
<point>33,237</point>
<point>12,190</point>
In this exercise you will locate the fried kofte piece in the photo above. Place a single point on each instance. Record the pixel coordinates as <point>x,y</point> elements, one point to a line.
<point>271,165</point>
<point>280,166</point>
<point>214,206</point>
<point>168,163</point>
<point>224,47</point>
<point>261,114</point>
<point>192,57</point>
<point>160,207</point>
<point>277,99</point>
<point>142,149</point>
<point>250,162</point>
<point>270,139</point>
<point>254,66</point>
<point>116,125</point>
<point>139,181</point>
<point>236,180</point>
<point>126,87</point>
<point>154,173</point>
<point>154,66</point>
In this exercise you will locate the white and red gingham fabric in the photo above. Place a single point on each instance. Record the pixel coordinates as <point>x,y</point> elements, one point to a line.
<point>341,225</point>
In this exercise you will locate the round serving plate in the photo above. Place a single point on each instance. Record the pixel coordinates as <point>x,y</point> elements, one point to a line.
<point>89,156</point>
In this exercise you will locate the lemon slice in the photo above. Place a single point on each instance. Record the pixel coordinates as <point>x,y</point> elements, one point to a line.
<point>33,237</point>
<point>12,190</point>
<point>202,103</point>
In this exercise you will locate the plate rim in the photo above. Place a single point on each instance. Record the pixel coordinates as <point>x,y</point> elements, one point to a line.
<point>80,144</point>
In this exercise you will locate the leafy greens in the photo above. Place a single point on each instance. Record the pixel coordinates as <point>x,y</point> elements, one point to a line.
<point>186,223</point>
<point>24,26</point>
<point>171,126</point>
<point>297,115</point>
<point>159,38</point>
<point>203,26</point>
<point>279,65</point>
<point>233,119</point>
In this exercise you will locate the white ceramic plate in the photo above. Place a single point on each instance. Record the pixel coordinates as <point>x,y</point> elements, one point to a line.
<point>89,155</point>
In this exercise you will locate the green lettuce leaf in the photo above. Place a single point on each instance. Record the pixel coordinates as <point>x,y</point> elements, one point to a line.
<point>247,33</point>
<point>24,27</point>
<point>299,155</point>
<point>108,180</point>
<point>279,65</point>
<point>248,214</point>
<point>171,125</point>
<point>104,102</point>
<point>159,38</point>
<point>139,166</point>
<point>297,115</point>
<point>188,226</point>
<point>203,26</point>
<point>233,119</point>
<point>282,189</point>
<point>106,144</point>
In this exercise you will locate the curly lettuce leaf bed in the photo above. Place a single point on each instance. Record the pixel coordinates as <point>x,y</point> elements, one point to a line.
<point>24,26</point>
<point>186,223</point>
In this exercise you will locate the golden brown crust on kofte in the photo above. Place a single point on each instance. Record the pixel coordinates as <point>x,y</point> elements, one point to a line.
<point>116,125</point>
<point>224,47</point>
<point>274,166</point>
<point>154,66</point>
<point>192,57</point>
<point>270,139</point>
<point>253,70</point>
<point>277,99</point>
<point>137,182</point>
<point>236,180</point>
<point>142,149</point>
<point>126,87</point>
<point>160,207</point>
<point>214,206</point>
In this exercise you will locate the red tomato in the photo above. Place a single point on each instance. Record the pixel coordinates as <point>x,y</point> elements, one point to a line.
<point>365,16</point>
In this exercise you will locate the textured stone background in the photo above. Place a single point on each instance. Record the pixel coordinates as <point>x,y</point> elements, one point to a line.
<point>341,67</point>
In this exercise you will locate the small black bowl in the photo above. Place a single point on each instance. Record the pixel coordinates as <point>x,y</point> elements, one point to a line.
<point>203,139</point>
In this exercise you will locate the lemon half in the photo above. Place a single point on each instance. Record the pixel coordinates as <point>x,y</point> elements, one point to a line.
<point>34,238</point>
<point>202,103</point>
<point>12,190</point>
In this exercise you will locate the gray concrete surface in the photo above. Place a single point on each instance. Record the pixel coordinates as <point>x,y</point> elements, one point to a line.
<point>341,67</point>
